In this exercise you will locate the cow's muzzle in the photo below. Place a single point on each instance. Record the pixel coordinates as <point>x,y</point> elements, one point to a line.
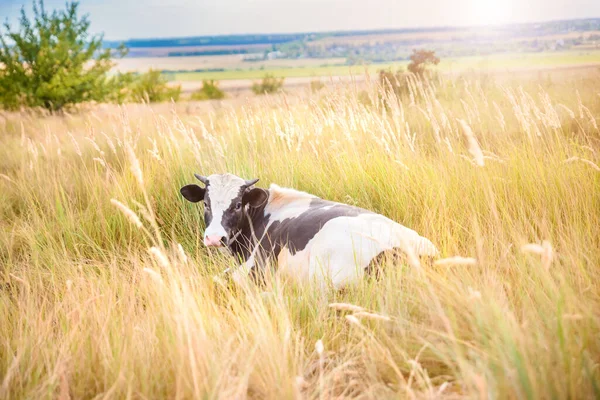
<point>215,241</point>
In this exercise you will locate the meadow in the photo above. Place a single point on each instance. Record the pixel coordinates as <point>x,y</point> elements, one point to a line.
<point>232,67</point>
<point>483,64</point>
<point>106,290</point>
<point>232,63</point>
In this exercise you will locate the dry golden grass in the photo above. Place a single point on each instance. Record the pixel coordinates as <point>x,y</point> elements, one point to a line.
<point>106,290</point>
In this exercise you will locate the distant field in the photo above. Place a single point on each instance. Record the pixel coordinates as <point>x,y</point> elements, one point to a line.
<point>106,290</point>
<point>229,62</point>
<point>290,72</point>
<point>483,63</point>
<point>444,36</point>
<point>503,62</point>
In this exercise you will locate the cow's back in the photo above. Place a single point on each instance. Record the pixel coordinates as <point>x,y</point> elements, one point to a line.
<point>312,238</point>
<point>296,231</point>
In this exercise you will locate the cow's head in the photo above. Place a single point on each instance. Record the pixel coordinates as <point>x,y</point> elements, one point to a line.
<point>227,200</point>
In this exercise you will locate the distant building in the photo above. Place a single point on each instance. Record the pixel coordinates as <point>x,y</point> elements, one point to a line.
<point>272,55</point>
<point>253,57</point>
<point>559,44</point>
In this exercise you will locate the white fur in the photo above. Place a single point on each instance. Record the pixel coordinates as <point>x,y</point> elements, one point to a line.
<point>286,203</point>
<point>344,247</point>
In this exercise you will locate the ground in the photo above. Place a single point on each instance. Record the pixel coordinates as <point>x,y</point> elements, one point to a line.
<point>107,291</point>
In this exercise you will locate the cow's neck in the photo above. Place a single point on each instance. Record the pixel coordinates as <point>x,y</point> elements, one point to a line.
<point>252,230</point>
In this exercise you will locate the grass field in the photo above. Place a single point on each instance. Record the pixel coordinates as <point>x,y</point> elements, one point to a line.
<point>498,62</point>
<point>228,62</point>
<point>431,37</point>
<point>106,290</point>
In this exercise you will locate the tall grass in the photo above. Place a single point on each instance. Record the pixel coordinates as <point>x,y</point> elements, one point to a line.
<point>106,290</point>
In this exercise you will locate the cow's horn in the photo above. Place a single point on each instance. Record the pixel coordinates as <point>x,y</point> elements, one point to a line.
<point>251,182</point>
<point>202,179</point>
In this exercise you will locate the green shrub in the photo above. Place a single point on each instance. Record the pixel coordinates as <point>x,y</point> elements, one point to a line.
<point>210,91</point>
<point>152,87</point>
<point>53,62</point>
<point>269,84</point>
<point>119,88</point>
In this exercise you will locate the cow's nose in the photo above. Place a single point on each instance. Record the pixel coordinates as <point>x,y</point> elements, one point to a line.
<point>214,241</point>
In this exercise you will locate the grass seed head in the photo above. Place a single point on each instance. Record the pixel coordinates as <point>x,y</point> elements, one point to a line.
<point>346,307</point>
<point>353,320</point>
<point>160,257</point>
<point>373,316</point>
<point>319,347</point>
<point>128,212</point>
<point>456,261</point>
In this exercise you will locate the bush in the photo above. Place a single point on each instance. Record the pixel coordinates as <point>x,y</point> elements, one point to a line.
<point>210,91</point>
<point>119,88</point>
<point>52,62</point>
<point>420,59</point>
<point>269,84</point>
<point>394,81</point>
<point>152,87</point>
<point>316,85</point>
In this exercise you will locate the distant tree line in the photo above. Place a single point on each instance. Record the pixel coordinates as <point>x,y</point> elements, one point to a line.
<point>195,53</point>
<point>225,40</point>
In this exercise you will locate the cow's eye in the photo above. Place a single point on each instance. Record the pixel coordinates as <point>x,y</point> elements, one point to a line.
<point>206,205</point>
<point>238,206</point>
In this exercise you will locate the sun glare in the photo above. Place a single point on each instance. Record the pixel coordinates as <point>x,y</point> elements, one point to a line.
<point>490,12</point>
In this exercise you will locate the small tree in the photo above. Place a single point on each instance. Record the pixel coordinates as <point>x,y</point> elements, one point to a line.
<point>210,91</point>
<point>53,62</point>
<point>420,59</point>
<point>269,84</point>
<point>153,87</point>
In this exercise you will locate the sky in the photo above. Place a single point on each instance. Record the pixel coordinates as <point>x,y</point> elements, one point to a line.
<point>125,19</point>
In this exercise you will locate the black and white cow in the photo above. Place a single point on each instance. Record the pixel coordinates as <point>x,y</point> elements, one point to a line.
<point>309,239</point>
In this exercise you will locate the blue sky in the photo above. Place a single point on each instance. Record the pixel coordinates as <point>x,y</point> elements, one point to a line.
<point>123,19</point>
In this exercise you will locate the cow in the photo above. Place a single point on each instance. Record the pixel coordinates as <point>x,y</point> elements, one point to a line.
<point>306,237</point>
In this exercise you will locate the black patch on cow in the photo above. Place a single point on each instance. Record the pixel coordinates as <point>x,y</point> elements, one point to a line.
<point>206,204</point>
<point>251,228</point>
<point>295,233</point>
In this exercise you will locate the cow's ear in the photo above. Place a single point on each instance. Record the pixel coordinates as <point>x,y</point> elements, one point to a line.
<point>193,193</point>
<point>256,197</point>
